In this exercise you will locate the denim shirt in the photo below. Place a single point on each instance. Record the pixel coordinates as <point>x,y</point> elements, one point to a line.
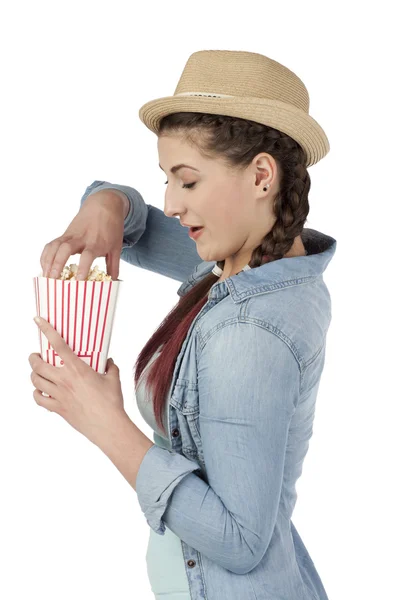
<point>241,409</point>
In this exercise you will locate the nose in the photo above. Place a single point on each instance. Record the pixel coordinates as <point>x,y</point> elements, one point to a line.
<point>171,211</point>
<point>174,205</point>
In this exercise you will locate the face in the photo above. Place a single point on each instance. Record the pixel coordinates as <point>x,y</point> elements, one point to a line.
<point>231,205</point>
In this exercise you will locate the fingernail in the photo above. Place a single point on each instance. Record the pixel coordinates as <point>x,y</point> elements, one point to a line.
<point>37,320</point>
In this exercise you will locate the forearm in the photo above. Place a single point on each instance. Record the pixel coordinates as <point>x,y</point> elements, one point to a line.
<point>194,512</point>
<point>125,445</point>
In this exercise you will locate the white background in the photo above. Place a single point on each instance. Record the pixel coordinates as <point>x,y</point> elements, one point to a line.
<point>73,77</point>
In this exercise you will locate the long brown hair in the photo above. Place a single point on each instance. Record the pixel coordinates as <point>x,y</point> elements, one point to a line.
<point>235,141</point>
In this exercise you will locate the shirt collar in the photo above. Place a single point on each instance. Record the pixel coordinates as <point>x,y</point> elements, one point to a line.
<point>274,275</point>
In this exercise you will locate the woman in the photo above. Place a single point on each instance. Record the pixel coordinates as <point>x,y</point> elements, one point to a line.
<point>229,380</point>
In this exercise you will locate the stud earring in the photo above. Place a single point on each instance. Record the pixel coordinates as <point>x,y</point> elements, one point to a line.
<point>265,189</point>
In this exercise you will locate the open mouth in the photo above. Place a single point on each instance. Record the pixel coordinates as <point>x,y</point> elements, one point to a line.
<point>193,229</point>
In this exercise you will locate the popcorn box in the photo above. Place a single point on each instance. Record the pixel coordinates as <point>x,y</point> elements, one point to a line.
<point>82,312</point>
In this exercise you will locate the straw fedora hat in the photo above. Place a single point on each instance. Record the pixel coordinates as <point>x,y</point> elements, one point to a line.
<point>247,85</point>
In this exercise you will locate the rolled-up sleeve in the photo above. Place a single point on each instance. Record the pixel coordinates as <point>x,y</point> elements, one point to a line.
<point>153,490</point>
<point>249,385</point>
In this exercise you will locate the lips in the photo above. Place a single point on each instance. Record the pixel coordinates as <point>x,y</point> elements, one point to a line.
<point>195,232</point>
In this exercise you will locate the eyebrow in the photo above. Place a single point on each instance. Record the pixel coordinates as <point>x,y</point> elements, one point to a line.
<point>177,167</point>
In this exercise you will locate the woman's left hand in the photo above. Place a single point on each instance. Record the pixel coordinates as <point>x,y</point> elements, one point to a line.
<point>87,400</point>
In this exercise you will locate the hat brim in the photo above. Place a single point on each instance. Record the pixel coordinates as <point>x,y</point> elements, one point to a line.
<point>275,113</point>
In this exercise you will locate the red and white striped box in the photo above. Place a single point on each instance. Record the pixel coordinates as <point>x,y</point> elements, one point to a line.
<point>82,312</point>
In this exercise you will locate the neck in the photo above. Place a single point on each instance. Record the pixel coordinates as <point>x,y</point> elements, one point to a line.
<point>297,249</point>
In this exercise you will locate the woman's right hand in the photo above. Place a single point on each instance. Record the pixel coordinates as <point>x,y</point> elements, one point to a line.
<point>97,230</point>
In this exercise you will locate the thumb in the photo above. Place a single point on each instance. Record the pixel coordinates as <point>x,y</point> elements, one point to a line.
<point>111,366</point>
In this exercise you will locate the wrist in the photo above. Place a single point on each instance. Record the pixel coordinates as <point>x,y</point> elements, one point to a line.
<point>117,421</point>
<point>126,446</point>
<point>125,201</point>
<point>111,198</point>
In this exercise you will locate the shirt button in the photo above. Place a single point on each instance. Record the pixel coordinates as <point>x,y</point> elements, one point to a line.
<point>175,432</point>
<point>191,563</point>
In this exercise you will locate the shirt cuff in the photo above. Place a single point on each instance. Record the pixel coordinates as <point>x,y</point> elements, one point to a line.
<point>159,473</point>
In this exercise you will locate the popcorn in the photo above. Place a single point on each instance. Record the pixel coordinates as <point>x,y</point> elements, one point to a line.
<point>69,273</point>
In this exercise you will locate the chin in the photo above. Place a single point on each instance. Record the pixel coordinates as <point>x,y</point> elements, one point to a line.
<point>207,256</point>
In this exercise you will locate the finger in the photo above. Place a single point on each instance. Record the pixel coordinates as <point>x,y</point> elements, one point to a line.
<point>48,403</point>
<point>43,384</point>
<point>85,262</point>
<point>48,254</point>
<point>112,262</point>
<point>59,259</point>
<point>44,369</point>
<point>60,346</point>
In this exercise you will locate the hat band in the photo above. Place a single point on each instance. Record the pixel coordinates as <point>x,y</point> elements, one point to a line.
<point>208,94</point>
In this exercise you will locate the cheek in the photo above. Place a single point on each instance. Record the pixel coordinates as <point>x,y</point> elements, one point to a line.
<point>222,210</point>
<point>230,213</point>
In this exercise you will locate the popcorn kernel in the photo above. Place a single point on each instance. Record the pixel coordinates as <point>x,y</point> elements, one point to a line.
<point>69,273</point>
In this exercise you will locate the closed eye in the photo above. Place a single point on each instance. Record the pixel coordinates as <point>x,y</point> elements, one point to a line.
<point>186,185</point>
